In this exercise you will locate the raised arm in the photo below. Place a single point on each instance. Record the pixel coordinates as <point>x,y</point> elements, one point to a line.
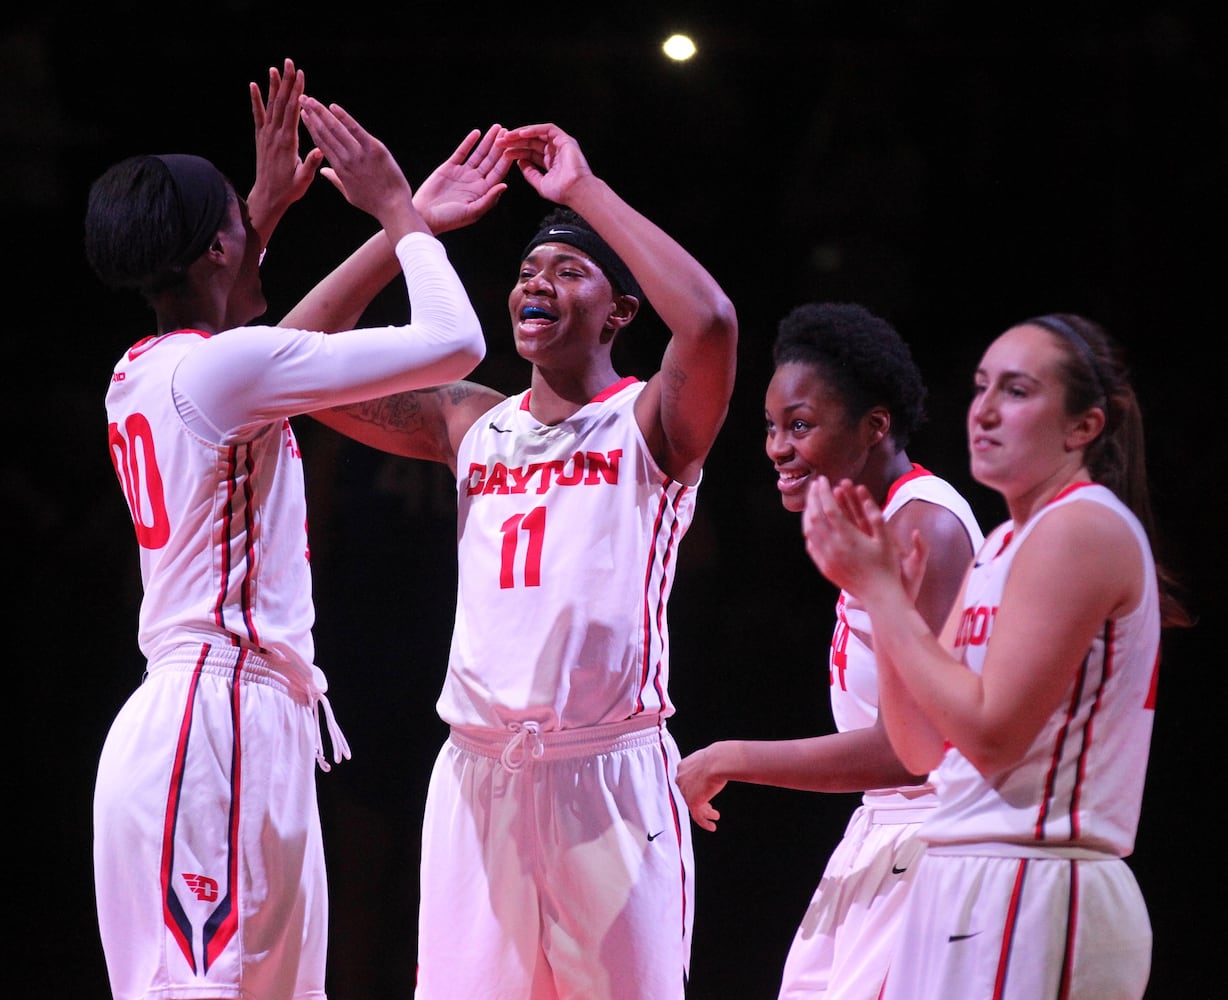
<point>282,177</point>
<point>462,189</point>
<point>1055,590</point>
<point>686,402</point>
<point>466,185</point>
<point>362,169</point>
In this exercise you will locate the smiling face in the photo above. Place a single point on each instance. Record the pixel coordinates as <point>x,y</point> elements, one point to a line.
<point>810,433</point>
<point>1021,440</point>
<point>562,306</point>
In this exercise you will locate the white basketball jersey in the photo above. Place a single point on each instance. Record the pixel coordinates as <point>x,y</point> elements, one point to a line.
<point>222,527</point>
<point>1080,783</point>
<point>852,671</point>
<point>567,548</point>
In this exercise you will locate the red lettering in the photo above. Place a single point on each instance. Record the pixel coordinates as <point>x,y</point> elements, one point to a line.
<point>838,660</point>
<point>521,477</point>
<point>975,625</point>
<point>602,467</point>
<point>291,443</point>
<point>496,481</point>
<point>582,469</point>
<point>565,478</point>
<point>477,475</point>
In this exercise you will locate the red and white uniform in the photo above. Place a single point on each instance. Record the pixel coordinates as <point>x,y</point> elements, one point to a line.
<point>209,869</point>
<point>556,852</point>
<point>843,945</point>
<point>1023,892</point>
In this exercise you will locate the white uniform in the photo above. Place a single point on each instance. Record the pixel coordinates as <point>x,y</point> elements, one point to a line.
<point>843,945</point>
<point>209,869</point>
<point>556,856</point>
<point>1024,892</point>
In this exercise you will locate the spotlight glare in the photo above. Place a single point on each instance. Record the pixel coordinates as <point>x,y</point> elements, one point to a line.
<point>680,48</point>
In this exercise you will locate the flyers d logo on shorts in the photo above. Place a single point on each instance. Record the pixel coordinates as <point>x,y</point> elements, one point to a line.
<point>204,888</point>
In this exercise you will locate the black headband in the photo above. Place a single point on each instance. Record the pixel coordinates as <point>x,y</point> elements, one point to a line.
<point>202,192</point>
<point>595,247</point>
<point>1055,324</point>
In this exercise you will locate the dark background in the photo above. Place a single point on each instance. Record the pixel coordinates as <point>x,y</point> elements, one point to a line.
<point>955,167</point>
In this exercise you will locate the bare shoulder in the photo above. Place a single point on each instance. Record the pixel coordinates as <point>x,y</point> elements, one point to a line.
<point>1084,548</point>
<point>939,526</point>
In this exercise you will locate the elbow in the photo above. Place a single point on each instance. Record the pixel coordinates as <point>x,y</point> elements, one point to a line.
<point>468,352</point>
<point>722,320</point>
<point>917,765</point>
<point>992,757</point>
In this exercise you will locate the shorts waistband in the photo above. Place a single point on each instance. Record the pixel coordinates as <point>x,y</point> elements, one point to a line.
<point>235,662</point>
<point>1006,849</point>
<point>523,742</point>
<point>886,815</point>
<point>226,661</point>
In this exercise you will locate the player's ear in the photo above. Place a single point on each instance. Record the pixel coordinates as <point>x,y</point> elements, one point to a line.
<point>622,311</point>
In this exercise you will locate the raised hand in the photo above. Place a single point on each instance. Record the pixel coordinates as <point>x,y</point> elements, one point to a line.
<point>548,157</point>
<point>282,176</point>
<point>847,538</point>
<point>361,168</point>
<point>466,185</point>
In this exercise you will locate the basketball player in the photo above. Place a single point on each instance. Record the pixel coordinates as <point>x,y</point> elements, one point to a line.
<point>209,867</point>
<point>843,402</point>
<point>556,860</point>
<point>1035,705</point>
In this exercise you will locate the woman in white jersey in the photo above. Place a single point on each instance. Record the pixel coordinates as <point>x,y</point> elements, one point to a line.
<point>556,856</point>
<point>1034,707</point>
<point>843,402</point>
<point>209,867</point>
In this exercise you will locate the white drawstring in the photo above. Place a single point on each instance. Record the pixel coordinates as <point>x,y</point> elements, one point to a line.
<point>341,747</point>
<point>514,754</point>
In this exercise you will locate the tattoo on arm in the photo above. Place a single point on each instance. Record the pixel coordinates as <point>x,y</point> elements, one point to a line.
<point>401,412</point>
<point>672,381</point>
<point>423,412</point>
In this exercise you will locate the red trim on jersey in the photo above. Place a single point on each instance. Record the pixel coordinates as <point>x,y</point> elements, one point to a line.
<point>1008,930</point>
<point>1106,672</point>
<point>666,557</point>
<point>1072,921</point>
<point>249,533</point>
<point>601,397</point>
<point>223,923</point>
<point>1155,680</point>
<point>141,346</point>
<point>652,619</point>
<point>917,472</point>
<point>615,389</point>
<point>1070,489</point>
<point>677,815</point>
<point>228,513</point>
<point>172,910</point>
<point>1006,540</point>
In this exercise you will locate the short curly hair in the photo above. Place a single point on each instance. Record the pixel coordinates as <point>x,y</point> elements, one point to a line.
<point>861,357</point>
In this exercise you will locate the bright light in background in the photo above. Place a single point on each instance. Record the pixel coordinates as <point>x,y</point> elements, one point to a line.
<point>680,48</point>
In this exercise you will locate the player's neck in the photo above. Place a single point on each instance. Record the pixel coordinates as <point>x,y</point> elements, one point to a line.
<point>556,395</point>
